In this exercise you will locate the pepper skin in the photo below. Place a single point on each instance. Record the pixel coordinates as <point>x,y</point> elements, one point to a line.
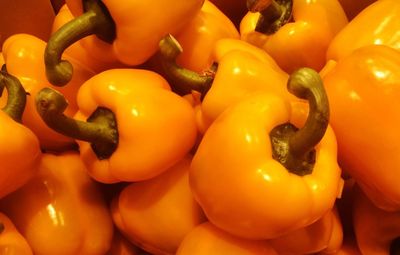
<point>20,152</point>
<point>377,231</point>
<point>23,55</point>
<point>127,32</point>
<point>206,239</point>
<point>363,89</point>
<point>353,8</point>
<point>11,241</point>
<point>245,186</point>
<point>379,23</point>
<point>157,214</point>
<point>61,210</point>
<point>302,42</point>
<point>136,129</point>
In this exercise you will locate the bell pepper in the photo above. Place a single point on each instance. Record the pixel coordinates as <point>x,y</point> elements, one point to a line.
<point>363,89</point>
<point>157,214</point>
<point>129,126</point>
<point>379,23</point>
<point>377,231</point>
<point>235,10</point>
<point>353,8</point>
<point>207,239</point>
<point>23,55</point>
<point>11,241</point>
<point>128,32</point>
<point>20,152</point>
<point>296,33</point>
<point>256,175</point>
<point>61,210</point>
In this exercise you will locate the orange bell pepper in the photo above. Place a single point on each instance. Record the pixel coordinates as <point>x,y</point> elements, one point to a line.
<point>136,127</point>
<point>207,239</point>
<point>127,32</point>
<point>277,183</point>
<point>21,150</point>
<point>157,214</point>
<point>11,241</point>
<point>363,88</point>
<point>353,8</point>
<point>235,9</point>
<point>377,231</point>
<point>23,55</point>
<point>296,33</point>
<point>61,210</point>
<point>379,23</point>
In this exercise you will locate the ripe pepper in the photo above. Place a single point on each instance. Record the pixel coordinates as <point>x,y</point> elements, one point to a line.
<point>379,23</point>
<point>21,151</point>
<point>296,33</point>
<point>157,214</point>
<point>11,241</point>
<point>23,55</point>
<point>363,89</point>
<point>353,8</point>
<point>377,231</point>
<point>127,32</point>
<point>61,210</point>
<point>207,239</point>
<point>261,186</point>
<point>129,126</point>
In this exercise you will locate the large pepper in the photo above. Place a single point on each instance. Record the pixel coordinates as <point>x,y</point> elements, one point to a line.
<point>23,55</point>
<point>377,231</point>
<point>207,239</point>
<point>379,24</point>
<point>128,32</point>
<point>129,126</point>
<point>20,150</point>
<point>296,33</point>
<point>256,175</point>
<point>61,210</point>
<point>11,240</point>
<point>363,89</point>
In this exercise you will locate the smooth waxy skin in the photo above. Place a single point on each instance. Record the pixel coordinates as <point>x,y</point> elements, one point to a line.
<point>11,241</point>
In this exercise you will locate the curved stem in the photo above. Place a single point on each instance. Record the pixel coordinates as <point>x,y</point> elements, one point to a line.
<point>100,129</point>
<point>182,80</point>
<point>16,99</point>
<point>293,147</point>
<point>96,20</point>
<point>273,14</point>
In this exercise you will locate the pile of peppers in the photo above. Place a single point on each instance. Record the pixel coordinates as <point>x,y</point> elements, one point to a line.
<point>203,127</point>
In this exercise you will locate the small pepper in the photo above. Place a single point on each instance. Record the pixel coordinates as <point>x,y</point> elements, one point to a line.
<point>129,126</point>
<point>157,214</point>
<point>21,150</point>
<point>127,32</point>
<point>379,23</point>
<point>11,240</point>
<point>296,33</point>
<point>256,175</point>
<point>207,239</point>
<point>61,210</point>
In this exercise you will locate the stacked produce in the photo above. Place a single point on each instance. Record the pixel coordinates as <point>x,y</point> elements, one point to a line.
<point>203,127</point>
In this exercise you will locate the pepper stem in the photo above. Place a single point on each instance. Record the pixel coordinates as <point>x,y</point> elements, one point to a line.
<point>95,20</point>
<point>273,14</point>
<point>100,129</point>
<point>292,147</point>
<point>16,99</point>
<point>182,80</point>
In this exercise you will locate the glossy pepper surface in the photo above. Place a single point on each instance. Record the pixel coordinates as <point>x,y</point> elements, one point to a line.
<point>23,55</point>
<point>157,214</point>
<point>136,129</point>
<point>363,89</point>
<point>61,210</point>
<point>298,35</point>
<point>11,240</point>
<point>379,23</point>
<point>245,186</point>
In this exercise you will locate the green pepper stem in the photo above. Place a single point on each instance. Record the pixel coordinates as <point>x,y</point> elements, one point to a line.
<point>273,14</point>
<point>182,80</point>
<point>95,20</point>
<point>16,99</point>
<point>100,129</point>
